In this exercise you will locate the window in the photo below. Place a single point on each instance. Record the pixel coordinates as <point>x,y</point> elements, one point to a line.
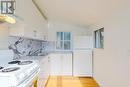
<point>99,38</point>
<point>63,41</point>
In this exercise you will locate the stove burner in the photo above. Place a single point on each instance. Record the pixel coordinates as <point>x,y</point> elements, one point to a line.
<point>25,62</point>
<point>11,69</point>
<point>13,62</point>
<point>1,67</point>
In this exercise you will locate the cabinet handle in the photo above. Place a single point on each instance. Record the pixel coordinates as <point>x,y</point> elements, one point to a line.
<point>35,33</point>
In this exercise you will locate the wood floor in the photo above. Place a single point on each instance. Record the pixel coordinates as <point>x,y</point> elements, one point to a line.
<point>63,81</point>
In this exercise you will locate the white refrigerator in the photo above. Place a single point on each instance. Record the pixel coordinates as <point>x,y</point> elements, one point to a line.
<point>82,56</point>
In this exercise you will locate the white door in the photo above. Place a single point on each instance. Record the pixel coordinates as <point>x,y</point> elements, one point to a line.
<point>67,64</point>
<point>82,63</point>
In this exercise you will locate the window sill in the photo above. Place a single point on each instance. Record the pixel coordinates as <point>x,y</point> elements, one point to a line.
<point>102,49</point>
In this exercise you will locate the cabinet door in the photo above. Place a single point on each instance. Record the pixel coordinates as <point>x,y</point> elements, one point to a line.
<point>82,42</point>
<point>82,63</point>
<point>43,67</point>
<point>66,64</point>
<point>16,30</point>
<point>23,30</point>
<point>44,72</point>
<point>55,61</point>
<point>49,65</point>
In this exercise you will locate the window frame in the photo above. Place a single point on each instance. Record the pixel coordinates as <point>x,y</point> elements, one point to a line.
<point>99,41</point>
<point>63,41</point>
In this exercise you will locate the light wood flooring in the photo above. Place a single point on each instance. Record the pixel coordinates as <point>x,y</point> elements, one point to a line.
<point>66,81</point>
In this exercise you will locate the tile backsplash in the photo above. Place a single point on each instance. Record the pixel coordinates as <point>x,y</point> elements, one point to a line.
<point>27,47</point>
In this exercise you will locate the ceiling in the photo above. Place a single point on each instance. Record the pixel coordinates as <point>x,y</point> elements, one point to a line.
<point>80,12</point>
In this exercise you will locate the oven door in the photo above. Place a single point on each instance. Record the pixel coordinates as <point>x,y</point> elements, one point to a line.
<point>30,81</point>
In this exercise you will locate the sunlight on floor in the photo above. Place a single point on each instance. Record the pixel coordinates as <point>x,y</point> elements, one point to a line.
<point>65,81</point>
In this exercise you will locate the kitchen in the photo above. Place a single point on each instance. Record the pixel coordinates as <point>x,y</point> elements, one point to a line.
<point>57,43</point>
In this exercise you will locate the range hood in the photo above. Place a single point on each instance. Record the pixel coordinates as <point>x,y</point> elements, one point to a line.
<point>7,19</point>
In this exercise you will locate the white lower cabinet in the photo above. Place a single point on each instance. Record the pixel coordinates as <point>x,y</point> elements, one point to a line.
<point>82,65</point>
<point>44,71</point>
<point>61,64</point>
<point>66,64</point>
<point>55,61</point>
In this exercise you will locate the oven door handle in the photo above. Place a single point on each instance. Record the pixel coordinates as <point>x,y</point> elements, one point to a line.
<point>29,81</point>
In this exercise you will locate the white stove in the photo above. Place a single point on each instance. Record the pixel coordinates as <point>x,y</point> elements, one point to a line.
<point>19,73</point>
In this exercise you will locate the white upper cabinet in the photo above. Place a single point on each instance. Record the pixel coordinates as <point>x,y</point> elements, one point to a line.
<point>82,42</point>
<point>30,22</point>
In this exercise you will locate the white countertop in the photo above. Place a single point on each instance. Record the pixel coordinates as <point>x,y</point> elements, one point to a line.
<point>39,58</point>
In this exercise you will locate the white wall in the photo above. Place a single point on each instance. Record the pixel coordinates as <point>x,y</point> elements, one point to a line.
<point>76,30</point>
<point>30,16</point>
<point>3,37</point>
<point>112,64</point>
